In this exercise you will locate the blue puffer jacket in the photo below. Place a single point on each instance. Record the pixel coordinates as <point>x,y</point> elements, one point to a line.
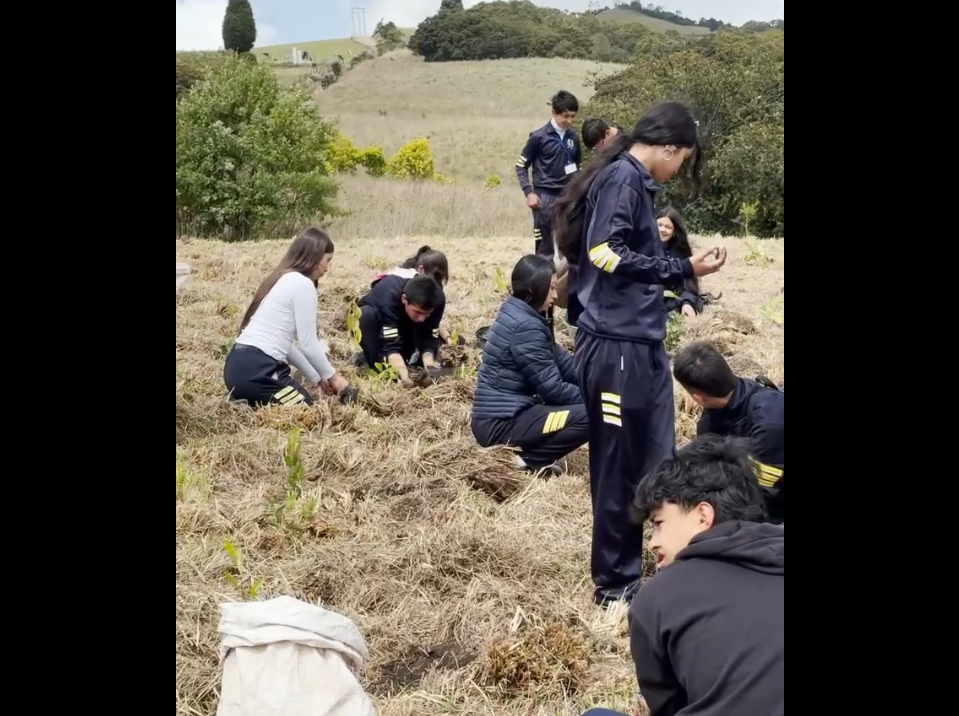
<point>522,366</point>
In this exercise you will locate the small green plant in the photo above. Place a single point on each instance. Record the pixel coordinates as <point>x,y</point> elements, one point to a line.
<point>747,214</point>
<point>464,370</point>
<point>189,482</point>
<point>237,575</point>
<point>353,325</point>
<point>755,256</point>
<point>384,372</point>
<point>674,331</point>
<point>500,279</point>
<point>295,476</point>
<point>492,182</point>
<point>775,311</point>
<point>454,337</point>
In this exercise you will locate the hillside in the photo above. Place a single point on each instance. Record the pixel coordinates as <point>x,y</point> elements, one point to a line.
<point>653,23</point>
<point>324,50</point>
<point>476,115</point>
<point>320,50</point>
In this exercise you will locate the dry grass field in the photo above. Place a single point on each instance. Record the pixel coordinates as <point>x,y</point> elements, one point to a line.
<point>469,580</point>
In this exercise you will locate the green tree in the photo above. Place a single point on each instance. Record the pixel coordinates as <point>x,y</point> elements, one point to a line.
<point>388,37</point>
<point>239,27</point>
<point>735,85</point>
<point>451,5</point>
<point>252,158</point>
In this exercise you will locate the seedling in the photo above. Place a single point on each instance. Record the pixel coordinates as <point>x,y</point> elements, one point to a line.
<point>353,325</point>
<point>500,278</point>
<point>295,475</point>
<point>237,575</point>
<point>775,311</point>
<point>674,332</point>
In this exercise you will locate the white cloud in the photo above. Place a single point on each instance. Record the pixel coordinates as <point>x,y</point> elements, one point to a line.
<point>199,25</point>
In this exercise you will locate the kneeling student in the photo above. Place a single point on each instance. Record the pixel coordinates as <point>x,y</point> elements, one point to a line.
<point>283,310</point>
<point>527,393</point>
<point>400,318</point>
<point>426,262</point>
<point>740,408</point>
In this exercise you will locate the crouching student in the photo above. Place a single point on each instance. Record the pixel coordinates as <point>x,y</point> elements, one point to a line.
<point>597,133</point>
<point>427,262</point>
<point>283,311</point>
<point>683,296</point>
<point>399,319</point>
<point>527,393</point>
<point>739,407</point>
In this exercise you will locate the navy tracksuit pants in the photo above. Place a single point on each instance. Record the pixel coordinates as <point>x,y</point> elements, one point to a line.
<point>543,433</point>
<point>628,390</point>
<point>253,376</point>
<point>543,225</point>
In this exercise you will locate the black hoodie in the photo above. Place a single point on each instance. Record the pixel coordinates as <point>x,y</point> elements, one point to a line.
<point>707,632</point>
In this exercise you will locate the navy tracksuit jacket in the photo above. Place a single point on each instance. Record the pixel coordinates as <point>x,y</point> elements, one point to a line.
<point>622,362</point>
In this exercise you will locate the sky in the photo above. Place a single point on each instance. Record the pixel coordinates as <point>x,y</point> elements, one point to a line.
<point>199,22</point>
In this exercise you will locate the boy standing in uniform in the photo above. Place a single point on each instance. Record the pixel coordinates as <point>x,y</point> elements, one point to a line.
<point>554,153</point>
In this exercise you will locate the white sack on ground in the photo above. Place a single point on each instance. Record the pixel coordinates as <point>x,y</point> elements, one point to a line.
<point>284,657</point>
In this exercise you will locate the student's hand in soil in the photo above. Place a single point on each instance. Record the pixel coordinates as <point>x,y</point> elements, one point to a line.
<point>707,261</point>
<point>338,383</point>
<point>689,311</point>
<point>532,201</point>
<point>407,382</point>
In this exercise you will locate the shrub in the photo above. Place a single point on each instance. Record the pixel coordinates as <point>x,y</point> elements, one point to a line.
<point>251,158</point>
<point>373,160</point>
<point>492,182</point>
<point>414,160</point>
<point>343,155</point>
<point>192,67</point>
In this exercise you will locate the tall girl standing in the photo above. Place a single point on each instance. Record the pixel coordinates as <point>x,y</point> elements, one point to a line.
<point>608,232</point>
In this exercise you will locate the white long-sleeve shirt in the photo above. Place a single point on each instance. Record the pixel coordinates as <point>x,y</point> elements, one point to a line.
<point>288,313</point>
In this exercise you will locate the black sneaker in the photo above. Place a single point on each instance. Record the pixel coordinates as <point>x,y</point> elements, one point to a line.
<point>554,469</point>
<point>606,597</point>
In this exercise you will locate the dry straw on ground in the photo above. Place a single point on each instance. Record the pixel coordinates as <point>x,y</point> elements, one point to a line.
<point>469,581</point>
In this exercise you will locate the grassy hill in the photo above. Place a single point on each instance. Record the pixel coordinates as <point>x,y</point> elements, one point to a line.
<point>653,23</point>
<point>475,134</point>
<point>321,50</point>
<point>326,49</point>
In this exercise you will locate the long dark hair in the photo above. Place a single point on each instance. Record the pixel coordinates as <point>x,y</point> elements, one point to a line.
<point>679,245</point>
<point>669,123</point>
<point>531,280</point>
<point>306,251</point>
<point>434,263</point>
